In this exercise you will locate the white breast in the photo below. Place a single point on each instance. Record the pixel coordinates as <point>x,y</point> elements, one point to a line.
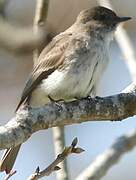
<point>78,79</point>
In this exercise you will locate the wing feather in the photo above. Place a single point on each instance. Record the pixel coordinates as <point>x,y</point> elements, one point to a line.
<point>49,60</point>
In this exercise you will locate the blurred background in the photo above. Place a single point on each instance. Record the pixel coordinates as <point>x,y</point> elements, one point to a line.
<point>94,137</point>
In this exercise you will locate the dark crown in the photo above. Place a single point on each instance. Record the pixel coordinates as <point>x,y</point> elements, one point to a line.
<point>101,14</point>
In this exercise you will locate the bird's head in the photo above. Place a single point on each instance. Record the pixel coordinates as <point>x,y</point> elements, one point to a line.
<point>101,16</point>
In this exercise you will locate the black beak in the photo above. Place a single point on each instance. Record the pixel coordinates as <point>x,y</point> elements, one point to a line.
<point>123,19</point>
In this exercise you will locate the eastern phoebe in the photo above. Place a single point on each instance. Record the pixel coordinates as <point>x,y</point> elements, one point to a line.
<point>71,65</point>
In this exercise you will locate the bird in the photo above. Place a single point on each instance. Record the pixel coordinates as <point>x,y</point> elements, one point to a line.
<point>71,65</point>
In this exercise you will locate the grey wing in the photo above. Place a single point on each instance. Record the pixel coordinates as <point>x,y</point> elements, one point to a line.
<point>50,59</point>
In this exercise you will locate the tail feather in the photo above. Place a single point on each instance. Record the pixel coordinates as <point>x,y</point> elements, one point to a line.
<point>8,159</point>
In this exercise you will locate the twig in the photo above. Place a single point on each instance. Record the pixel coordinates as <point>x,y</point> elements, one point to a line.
<point>59,144</point>
<point>29,120</point>
<point>130,89</point>
<point>10,175</point>
<point>110,157</point>
<point>41,12</point>
<point>17,40</point>
<point>3,4</point>
<point>54,165</point>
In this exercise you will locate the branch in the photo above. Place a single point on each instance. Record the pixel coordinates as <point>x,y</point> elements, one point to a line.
<point>16,40</point>
<point>3,4</point>
<point>130,89</point>
<point>40,22</point>
<point>29,120</point>
<point>19,41</point>
<point>10,175</point>
<point>105,161</point>
<point>54,166</point>
<point>41,13</point>
<point>59,144</point>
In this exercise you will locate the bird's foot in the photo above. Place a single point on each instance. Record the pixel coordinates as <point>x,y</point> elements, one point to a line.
<point>77,98</point>
<point>80,98</point>
<point>93,97</point>
<point>98,97</point>
<point>54,100</point>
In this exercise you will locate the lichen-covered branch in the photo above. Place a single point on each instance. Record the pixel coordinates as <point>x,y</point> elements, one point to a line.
<point>130,89</point>
<point>106,160</point>
<point>54,165</point>
<point>29,120</point>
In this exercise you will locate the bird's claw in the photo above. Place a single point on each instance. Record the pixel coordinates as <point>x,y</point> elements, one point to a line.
<point>78,98</point>
<point>54,100</point>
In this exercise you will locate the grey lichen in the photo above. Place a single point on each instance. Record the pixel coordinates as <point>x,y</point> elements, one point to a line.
<point>29,120</point>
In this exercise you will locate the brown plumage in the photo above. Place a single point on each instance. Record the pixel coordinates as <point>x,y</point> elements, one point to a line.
<point>50,59</point>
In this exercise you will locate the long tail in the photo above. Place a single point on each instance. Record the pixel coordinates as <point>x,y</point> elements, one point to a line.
<point>8,159</point>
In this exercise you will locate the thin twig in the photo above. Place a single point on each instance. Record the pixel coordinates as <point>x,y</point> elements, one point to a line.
<point>3,4</point>
<point>54,165</point>
<point>17,40</point>
<point>59,144</point>
<point>130,89</point>
<point>41,12</point>
<point>10,175</point>
<point>110,157</point>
